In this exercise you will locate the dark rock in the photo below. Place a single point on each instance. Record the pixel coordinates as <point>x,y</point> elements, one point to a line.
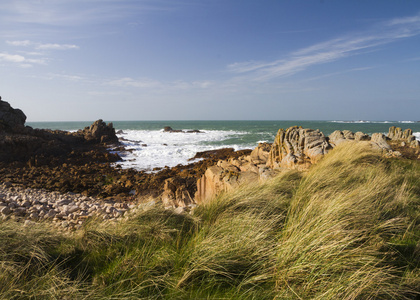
<point>11,119</point>
<point>171,130</point>
<point>99,131</point>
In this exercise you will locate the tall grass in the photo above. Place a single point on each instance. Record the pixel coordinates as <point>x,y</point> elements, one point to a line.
<point>336,243</point>
<point>347,229</point>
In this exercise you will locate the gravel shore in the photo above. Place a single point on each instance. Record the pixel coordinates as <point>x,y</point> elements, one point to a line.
<point>68,211</point>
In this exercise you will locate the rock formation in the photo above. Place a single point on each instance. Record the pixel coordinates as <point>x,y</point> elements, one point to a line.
<point>297,148</point>
<point>11,119</point>
<point>338,136</point>
<point>406,136</point>
<point>20,143</point>
<point>99,131</point>
<point>293,148</point>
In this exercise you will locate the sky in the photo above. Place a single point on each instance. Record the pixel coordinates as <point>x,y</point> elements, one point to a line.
<point>82,60</point>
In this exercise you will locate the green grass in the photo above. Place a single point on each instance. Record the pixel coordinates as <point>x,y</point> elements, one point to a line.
<point>349,228</point>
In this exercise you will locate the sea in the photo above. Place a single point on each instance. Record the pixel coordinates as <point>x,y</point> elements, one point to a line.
<point>152,147</point>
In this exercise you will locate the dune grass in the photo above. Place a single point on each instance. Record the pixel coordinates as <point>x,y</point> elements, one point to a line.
<point>349,228</point>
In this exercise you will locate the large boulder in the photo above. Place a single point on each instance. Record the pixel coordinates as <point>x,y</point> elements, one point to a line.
<point>297,148</point>
<point>11,119</point>
<point>338,137</point>
<point>379,142</point>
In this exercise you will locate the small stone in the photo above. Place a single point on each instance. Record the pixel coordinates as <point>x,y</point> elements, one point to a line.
<point>5,210</point>
<point>179,210</point>
<point>64,224</point>
<point>33,216</point>
<point>28,223</point>
<point>26,203</point>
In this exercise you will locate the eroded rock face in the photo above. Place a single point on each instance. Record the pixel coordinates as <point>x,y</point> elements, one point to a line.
<point>297,148</point>
<point>228,174</point>
<point>11,119</point>
<point>406,136</point>
<point>294,148</point>
<point>176,192</point>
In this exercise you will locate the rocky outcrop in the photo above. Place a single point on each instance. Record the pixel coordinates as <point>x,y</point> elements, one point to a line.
<point>293,148</point>
<point>297,148</point>
<point>176,192</point>
<point>100,132</point>
<point>20,143</point>
<point>11,119</point>
<point>406,136</point>
<point>338,137</point>
<point>228,174</point>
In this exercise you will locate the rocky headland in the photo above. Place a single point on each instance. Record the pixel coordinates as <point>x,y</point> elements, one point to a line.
<point>69,177</point>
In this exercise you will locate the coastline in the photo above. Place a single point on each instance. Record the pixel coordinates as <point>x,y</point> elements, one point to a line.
<point>84,162</point>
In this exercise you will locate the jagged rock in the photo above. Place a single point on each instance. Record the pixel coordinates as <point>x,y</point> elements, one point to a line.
<point>337,137</point>
<point>11,119</point>
<point>396,134</point>
<point>297,148</point>
<point>378,141</point>
<point>260,154</point>
<point>99,131</point>
<point>360,136</point>
<point>228,174</point>
<point>175,193</point>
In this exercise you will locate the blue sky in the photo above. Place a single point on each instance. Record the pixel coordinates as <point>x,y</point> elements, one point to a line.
<point>64,60</point>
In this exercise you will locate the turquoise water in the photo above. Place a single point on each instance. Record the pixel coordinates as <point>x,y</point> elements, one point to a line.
<point>151,147</point>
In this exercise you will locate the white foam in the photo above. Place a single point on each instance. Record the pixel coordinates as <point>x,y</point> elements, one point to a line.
<point>374,122</point>
<point>417,135</point>
<point>170,149</point>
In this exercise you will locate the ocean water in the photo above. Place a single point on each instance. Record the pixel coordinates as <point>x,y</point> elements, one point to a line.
<point>152,147</point>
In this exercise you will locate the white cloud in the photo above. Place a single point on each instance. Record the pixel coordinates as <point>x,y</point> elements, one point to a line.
<point>56,47</point>
<point>332,50</point>
<point>41,46</point>
<point>12,58</point>
<point>24,43</point>
<point>138,83</point>
<point>145,83</point>
<point>21,60</point>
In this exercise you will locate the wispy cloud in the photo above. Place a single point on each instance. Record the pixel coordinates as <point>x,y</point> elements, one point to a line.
<point>137,83</point>
<point>56,47</point>
<point>76,12</point>
<point>145,83</point>
<point>21,60</point>
<point>24,43</point>
<point>40,50</point>
<point>41,46</point>
<point>331,50</point>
